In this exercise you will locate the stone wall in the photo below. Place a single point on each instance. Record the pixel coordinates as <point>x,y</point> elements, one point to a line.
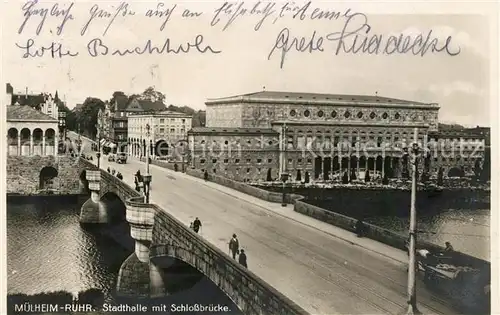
<point>377,233</point>
<point>251,294</point>
<point>23,174</point>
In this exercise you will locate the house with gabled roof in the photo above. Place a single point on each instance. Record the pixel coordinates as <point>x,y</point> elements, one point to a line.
<point>115,129</point>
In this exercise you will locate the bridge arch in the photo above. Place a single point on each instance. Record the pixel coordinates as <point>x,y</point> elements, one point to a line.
<point>114,207</point>
<point>455,172</point>
<point>47,176</point>
<point>218,271</point>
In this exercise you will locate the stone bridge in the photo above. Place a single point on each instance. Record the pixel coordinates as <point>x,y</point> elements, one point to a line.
<point>158,234</point>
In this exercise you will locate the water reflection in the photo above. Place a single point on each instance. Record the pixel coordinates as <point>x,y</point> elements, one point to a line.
<point>48,250</point>
<point>467,230</point>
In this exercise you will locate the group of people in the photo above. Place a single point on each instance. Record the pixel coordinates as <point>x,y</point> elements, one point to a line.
<point>113,172</point>
<point>234,244</point>
<point>234,250</point>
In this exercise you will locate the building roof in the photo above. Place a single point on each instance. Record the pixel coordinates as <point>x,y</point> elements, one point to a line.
<point>121,102</point>
<point>163,113</point>
<point>26,113</point>
<point>318,97</point>
<point>148,105</point>
<point>9,89</point>
<point>229,130</point>
<point>30,99</point>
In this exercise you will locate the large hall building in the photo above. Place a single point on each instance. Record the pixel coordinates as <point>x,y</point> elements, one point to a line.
<point>259,136</point>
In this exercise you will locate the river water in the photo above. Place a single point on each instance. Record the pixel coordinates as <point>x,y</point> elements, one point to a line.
<point>48,250</point>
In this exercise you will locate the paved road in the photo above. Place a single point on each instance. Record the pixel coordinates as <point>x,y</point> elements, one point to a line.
<point>321,273</point>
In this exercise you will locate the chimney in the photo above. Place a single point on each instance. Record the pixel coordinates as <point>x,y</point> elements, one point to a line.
<point>8,94</point>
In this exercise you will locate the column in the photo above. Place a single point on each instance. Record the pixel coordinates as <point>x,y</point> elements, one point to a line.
<point>322,172</point>
<point>331,166</point>
<point>43,145</point>
<point>357,166</point>
<point>383,166</point>
<point>349,167</point>
<point>19,144</point>
<point>31,144</point>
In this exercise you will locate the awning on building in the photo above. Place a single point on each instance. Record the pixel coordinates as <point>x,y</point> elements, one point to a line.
<point>103,141</point>
<point>112,145</point>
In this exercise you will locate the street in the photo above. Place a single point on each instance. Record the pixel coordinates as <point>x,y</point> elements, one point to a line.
<point>321,273</point>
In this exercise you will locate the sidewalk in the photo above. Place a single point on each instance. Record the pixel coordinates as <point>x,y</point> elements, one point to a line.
<point>398,256</point>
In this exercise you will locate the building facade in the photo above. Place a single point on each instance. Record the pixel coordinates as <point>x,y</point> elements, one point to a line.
<point>236,153</point>
<point>113,121</point>
<point>44,102</point>
<point>30,132</point>
<point>324,136</point>
<point>167,134</point>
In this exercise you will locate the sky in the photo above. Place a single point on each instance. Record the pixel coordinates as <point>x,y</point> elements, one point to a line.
<point>460,84</point>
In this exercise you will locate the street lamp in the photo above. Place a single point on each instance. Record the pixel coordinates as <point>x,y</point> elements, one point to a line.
<point>284,178</point>
<point>284,173</point>
<point>412,295</point>
<point>62,125</point>
<point>147,178</point>
<point>98,154</point>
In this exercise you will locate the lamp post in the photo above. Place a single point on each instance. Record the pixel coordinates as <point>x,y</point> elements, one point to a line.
<point>98,154</point>
<point>62,125</point>
<point>147,177</point>
<point>284,173</point>
<point>412,295</point>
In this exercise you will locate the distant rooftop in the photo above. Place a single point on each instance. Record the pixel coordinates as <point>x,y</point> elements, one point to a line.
<point>296,96</point>
<point>26,113</point>
<point>232,130</point>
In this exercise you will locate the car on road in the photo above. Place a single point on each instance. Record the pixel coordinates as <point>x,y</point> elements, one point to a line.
<point>121,158</point>
<point>111,158</point>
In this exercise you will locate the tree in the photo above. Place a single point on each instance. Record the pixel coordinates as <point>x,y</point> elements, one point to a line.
<point>87,116</point>
<point>440,177</point>
<point>385,180</point>
<point>115,95</point>
<point>151,94</point>
<point>345,178</point>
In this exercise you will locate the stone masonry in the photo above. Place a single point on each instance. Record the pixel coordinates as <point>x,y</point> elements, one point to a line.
<point>158,234</point>
<point>23,174</point>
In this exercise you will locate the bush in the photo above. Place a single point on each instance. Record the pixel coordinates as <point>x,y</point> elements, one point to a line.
<point>94,297</point>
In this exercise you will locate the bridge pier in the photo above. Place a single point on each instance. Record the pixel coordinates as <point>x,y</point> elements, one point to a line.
<point>94,210</point>
<point>138,277</point>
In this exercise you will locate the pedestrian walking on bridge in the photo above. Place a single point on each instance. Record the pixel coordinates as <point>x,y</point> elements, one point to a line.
<point>242,258</point>
<point>234,246</point>
<point>196,225</point>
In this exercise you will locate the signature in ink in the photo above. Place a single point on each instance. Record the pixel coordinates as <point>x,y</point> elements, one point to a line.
<point>31,10</point>
<point>96,47</point>
<point>97,13</point>
<point>355,38</point>
<point>55,50</point>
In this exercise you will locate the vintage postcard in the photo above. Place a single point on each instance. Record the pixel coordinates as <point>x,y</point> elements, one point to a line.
<point>250,157</point>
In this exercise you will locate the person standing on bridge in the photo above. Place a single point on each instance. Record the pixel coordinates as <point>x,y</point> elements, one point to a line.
<point>242,258</point>
<point>234,246</point>
<point>196,225</point>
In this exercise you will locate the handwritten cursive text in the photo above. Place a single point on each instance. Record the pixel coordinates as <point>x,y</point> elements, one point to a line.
<point>31,10</point>
<point>235,10</point>
<point>96,47</point>
<point>355,38</point>
<point>55,50</point>
<point>97,13</point>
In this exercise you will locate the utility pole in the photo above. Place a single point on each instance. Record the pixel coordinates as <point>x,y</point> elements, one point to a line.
<point>412,294</point>
<point>98,154</point>
<point>147,177</point>
<point>284,173</point>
